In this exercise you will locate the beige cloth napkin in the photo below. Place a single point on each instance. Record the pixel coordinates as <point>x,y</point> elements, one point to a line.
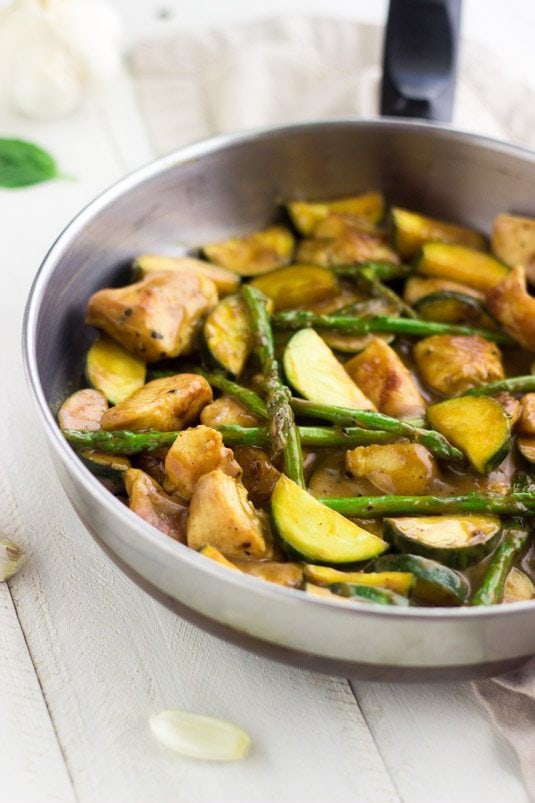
<point>296,69</point>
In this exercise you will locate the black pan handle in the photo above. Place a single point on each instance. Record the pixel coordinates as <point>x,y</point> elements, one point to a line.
<point>420,59</point>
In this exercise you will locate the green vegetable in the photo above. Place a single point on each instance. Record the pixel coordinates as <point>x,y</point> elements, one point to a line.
<point>452,306</point>
<point>478,425</point>
<point>370,507</point>
<point>344,416</point>
<point>319,535</point>
<point>379,270</point>
<point>114,371</point>
<point>127,442</point>
<point>22,164</point>
<point>379,290</point>
<point>313,370</point>
<point>299,319</point>
<point>228,336</point>
<point>516,384</point>
<point>282,427</point>
<point>400,582</point>
<point>107,467</point>
<point>434,584</point>
<point>456,541</point>
<point>460,263</point>
<point>382,596</point>
<point>491,589</point>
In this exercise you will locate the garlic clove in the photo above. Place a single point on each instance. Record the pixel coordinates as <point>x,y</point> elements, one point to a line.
<point>11,558</point>
<point>200,737</point>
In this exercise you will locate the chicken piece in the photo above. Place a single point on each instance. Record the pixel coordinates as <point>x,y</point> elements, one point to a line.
<point>166,405</point>
<point>153,463</point>
<point>513,241</point>
<point>225,411</point>
<point>83,410</point>
<point>511,406</point>
<point>149,500</point>
<point>417,287</point>
<point>196,452</point>
<point>527,418</point>
<point>395,468</point>
<point>259,474</point>
<point>451,364</point>
<point>512,305</point>
<point>221,515</point>
<point>155,318</point>
<point>353,247</point>
<point>383,378</point>
<point>225,280</point>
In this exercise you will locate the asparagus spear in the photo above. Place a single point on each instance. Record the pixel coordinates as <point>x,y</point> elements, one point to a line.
<point>491,590</point>
<point>516,384</point>
<point>300,319</point>
<point>341,416</point>
<point>369,507</point>
<point>436,443</point>
<point>380,290</point>
<point>127,442</point>
<point>283,430</point>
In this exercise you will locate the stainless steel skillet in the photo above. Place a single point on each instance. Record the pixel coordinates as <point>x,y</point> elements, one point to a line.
<point>229,185</point>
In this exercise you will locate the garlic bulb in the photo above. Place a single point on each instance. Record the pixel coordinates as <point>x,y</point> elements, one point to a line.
<point>53,51</point>
<point>200,737</point>
<point>11,558</point>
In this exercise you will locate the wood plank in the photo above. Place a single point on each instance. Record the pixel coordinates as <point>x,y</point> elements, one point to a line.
<point>437,743</point>
<point>31,762</point>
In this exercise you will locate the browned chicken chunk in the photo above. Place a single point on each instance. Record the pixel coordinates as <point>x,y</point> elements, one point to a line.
<point>527,418</point>
<point>196,452</point>
<point>167,404</point>
<point>396,468</point>
<point>512,305</point>
<point>451,364</point>
<point>381,375</point>
<point>226,410</point>
<point>221,515</point>
<point>149,500</point>
<point>157,317</point>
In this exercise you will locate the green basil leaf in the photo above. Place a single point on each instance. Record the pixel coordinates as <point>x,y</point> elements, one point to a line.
<point>23,164</point>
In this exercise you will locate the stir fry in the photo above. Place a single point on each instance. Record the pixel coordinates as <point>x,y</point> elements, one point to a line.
<point>341,403</point>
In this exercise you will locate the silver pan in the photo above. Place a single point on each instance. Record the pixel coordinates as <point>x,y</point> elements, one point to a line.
<point>209,191</point>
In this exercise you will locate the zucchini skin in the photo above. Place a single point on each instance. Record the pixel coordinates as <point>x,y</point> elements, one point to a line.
<point>434,583</point>
<point>492,588</point>
<point>454,557</point>
<point>382,596</point>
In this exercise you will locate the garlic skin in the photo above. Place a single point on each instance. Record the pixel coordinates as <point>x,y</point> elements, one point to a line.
<point>11,558</point>
<point>200,737</point>
<point>53,52</point>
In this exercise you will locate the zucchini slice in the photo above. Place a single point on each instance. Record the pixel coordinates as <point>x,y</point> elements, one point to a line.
<point>305,216</point>
<point>455,541</point>
<point>227,335</point>
<point>109,468</point>
<point>518,587</point>
<point>114,371</point>
<point>297,286</point>
<point>313,370</point>
<point>417,287</point>
<point>399,581</point>
<point>434,584</point>
<point>381,596</point>
<point>410,231</point>
<point>225,280</point>
<point>460,264</point>
<point>255,253</point>
<point>449,306</point>
<point>478,425</point>
<point>316,533</point>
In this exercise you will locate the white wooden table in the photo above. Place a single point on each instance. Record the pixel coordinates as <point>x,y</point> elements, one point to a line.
<point>86,657</point>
